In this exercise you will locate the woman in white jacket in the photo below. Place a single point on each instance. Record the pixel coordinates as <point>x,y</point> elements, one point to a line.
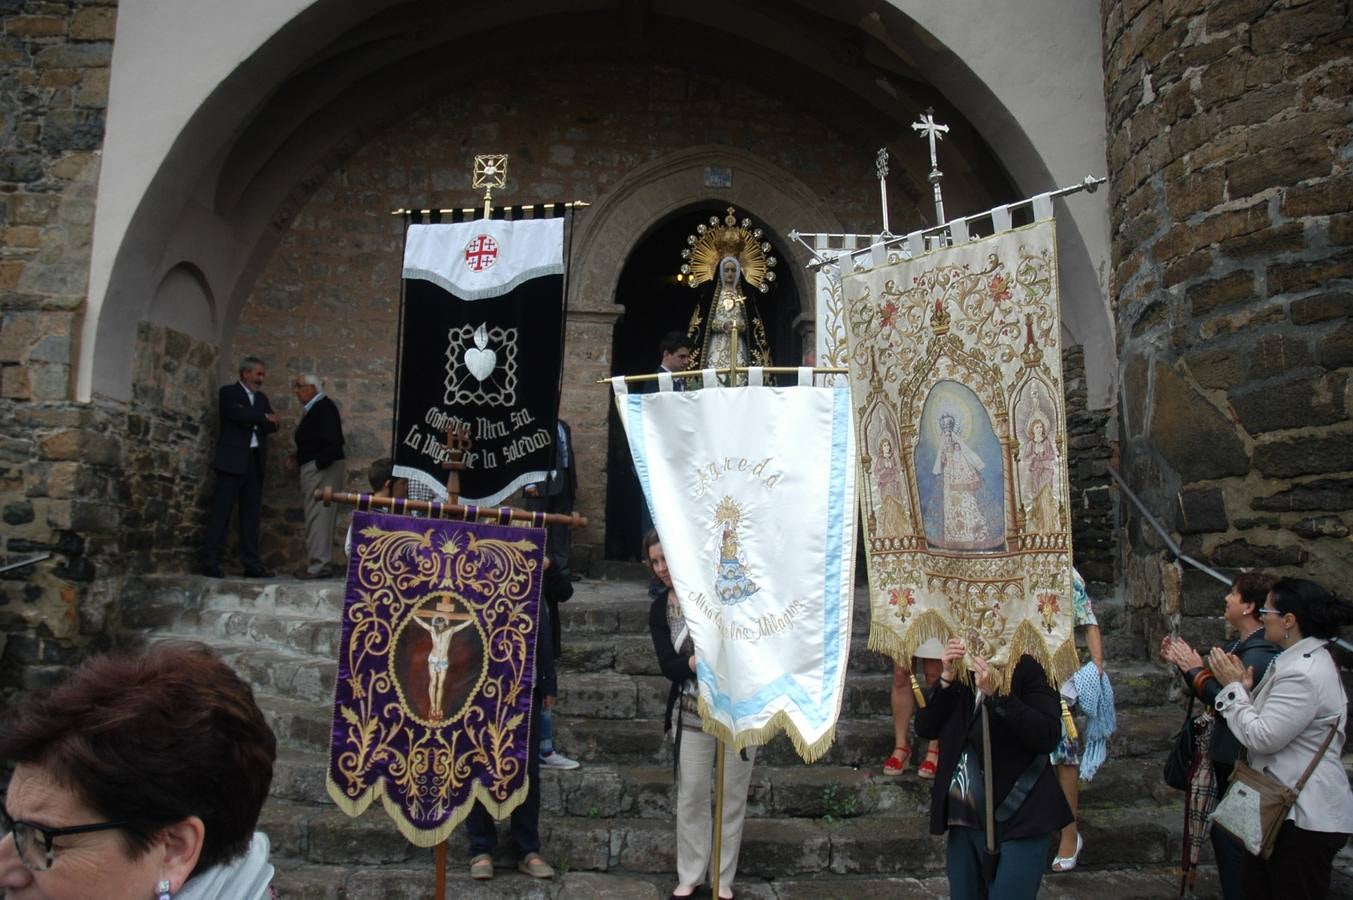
<point>1282,728</point>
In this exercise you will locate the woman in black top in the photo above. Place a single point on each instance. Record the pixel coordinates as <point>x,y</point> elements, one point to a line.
<point>695,750</point>
<point>1029,806</point>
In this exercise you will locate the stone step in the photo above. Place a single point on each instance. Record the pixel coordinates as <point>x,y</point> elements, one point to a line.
<point>772,847</point>
<point>415,882</point>
<point>863,742</point>
<point>818,791</point>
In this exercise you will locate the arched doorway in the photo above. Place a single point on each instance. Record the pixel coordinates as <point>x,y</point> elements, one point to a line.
<point>655,302</point>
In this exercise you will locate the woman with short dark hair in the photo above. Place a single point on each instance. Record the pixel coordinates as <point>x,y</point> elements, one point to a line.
<point>1284,726</point>
<point>1027,804</point>
<point>142,776</point>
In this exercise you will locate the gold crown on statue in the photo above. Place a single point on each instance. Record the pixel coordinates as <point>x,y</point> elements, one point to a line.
<point>723,238</point>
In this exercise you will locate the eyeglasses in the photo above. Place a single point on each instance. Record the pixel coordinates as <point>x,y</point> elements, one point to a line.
<point>38,857</point>
<point>1265,611</point>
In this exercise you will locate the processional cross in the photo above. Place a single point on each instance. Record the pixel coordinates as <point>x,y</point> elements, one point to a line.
<point>881,164</point>
<point>457,445</point>
<point>934,132</point>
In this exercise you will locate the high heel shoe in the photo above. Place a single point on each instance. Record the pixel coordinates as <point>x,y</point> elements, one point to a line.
<point>929,765</point>
<point>1067,863</point>
<point>896,764</point>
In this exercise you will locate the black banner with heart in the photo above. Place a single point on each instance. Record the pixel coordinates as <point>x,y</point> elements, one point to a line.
<point>480,349</point>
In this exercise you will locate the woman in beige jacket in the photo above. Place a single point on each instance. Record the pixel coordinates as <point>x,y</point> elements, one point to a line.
<point>1282,728</point>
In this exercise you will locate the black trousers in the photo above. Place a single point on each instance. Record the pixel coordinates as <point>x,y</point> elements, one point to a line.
<point>1299,867</point>
<point>246,492</point>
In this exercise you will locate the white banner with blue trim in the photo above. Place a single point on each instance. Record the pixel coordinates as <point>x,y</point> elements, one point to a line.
<point>752,490</point>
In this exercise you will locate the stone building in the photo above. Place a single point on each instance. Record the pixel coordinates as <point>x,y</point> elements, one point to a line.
<point>186,181</point>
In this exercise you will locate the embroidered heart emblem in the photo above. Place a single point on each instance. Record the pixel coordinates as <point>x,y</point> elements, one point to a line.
<point>480,360</point>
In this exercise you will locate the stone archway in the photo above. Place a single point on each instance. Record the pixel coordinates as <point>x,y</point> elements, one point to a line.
<point>619,223</point>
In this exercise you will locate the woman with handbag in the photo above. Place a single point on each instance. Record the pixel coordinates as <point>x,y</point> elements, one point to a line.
<point>1006,781</point>
<point>1293,729</point>
<point>1248,593</point>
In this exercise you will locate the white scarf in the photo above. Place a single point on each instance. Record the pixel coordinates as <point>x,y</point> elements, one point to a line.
<point>246,878</point>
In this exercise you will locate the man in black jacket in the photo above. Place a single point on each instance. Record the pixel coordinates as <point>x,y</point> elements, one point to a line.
<point>241,454</point>
<point>319,458</point>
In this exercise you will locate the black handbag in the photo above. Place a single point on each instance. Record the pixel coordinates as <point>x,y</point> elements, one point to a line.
<point>1179,762</point>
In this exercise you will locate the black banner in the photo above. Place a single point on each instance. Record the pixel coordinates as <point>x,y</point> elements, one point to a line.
<point>489,364</point>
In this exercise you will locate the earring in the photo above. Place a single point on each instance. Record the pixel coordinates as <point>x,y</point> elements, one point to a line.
<point>162,891</point>
<point>1287,635</point>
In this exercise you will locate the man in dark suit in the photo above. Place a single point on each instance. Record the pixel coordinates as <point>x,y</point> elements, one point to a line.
<point>676,357</point>
<point>319,459</point>
<point>241,453</point>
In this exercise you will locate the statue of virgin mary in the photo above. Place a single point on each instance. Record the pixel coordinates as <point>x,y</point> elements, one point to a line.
<point>726,330</point>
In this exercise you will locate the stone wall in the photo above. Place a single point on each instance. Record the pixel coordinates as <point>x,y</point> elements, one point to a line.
<point>1229,166</point>
<point>107,489</point>
<point>59,461</point>
<point>1090,451</point>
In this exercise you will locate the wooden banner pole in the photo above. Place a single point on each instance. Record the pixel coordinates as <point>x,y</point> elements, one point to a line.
<point>441,871</point>
<point>716,854</point>
<point>440,510</point>
<point>697,373</point>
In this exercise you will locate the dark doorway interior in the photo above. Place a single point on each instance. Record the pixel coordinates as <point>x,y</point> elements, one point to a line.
<point>655,303</point>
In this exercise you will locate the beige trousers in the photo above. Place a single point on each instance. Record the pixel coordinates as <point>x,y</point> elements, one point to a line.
<point>695,808</point>
<point>319,519</point>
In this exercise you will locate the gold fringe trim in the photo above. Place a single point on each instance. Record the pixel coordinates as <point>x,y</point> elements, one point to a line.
<point>422,837</point>
<point>780,723</point>
<point>929,625</point>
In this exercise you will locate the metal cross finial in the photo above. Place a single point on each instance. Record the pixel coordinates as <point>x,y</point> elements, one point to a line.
<point>490,171</point>
<point>881,164</point>
<point>933,131</point>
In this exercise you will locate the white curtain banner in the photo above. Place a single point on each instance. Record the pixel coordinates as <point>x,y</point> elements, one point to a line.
<point>752,490</point>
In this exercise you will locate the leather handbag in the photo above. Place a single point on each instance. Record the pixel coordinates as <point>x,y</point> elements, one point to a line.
<point>1179,762</point>
<point>1256,803</point>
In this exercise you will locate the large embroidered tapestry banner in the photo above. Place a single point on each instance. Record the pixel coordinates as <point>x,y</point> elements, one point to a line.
<point>435,670</point>
<point>753,492</point>
<point>483,305</point>
<point>956,376</point>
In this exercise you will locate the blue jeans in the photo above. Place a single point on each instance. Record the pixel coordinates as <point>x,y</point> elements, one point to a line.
<point>1018,875</point>
<point>525,821</point>
<point>546,732</point>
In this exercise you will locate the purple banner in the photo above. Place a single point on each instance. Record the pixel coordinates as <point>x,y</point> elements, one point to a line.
<point>432,706</point>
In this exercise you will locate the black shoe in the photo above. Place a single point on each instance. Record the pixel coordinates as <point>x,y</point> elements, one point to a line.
<point>259,572</point>
<point>212,571</point>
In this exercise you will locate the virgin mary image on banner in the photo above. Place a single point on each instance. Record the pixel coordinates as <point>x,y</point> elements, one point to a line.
<point>960,476</point>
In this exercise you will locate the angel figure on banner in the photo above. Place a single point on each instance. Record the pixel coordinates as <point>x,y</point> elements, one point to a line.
<point>1040,461</point>
<point>888,475</point>
<point>728,253</point>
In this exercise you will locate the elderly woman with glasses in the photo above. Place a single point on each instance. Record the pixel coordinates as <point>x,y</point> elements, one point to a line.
<point>140,778</point>
<point>1284,725</point>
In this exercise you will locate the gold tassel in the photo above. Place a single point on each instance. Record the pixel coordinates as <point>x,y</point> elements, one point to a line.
<point>916,689</point>
<point>1067,722</point>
